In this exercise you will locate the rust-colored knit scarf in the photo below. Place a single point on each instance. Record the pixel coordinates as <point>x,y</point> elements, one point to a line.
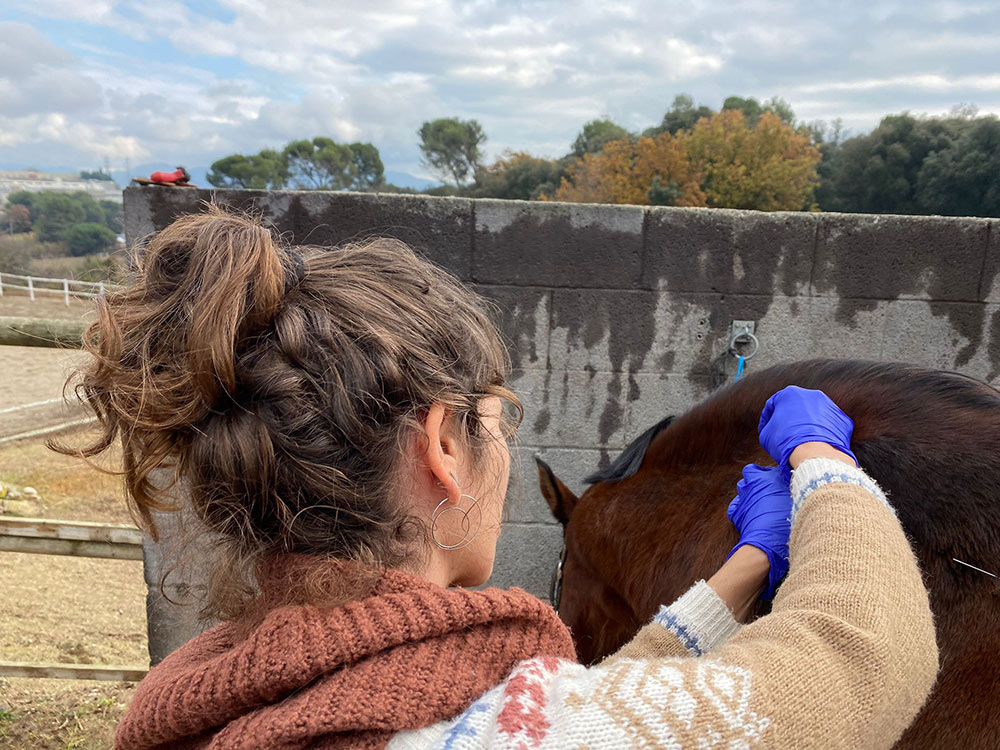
<point>407,655</point>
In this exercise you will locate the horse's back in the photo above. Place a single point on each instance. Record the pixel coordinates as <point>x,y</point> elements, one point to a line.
<point>931,439</point>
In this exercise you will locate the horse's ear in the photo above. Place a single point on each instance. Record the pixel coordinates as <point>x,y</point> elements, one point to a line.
<point>561,501</point>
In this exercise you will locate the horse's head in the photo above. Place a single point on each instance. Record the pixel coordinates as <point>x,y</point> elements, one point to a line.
<point>595,612</point>
<point>636,539</point>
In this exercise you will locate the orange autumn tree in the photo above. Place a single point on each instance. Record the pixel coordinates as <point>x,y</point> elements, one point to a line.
<point>640,171</point>
<point>769,167</point>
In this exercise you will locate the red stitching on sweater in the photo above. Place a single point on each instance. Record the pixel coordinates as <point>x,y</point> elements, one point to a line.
<point>524,701</point>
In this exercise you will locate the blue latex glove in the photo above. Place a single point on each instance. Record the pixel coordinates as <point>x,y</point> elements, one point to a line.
<point>794,415</point>
<point>761,511</point>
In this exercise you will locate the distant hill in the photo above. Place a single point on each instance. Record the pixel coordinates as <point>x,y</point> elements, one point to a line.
<point>405,179</point>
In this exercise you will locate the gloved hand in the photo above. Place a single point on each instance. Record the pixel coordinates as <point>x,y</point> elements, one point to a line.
<point>793,416</point>
<point>761,511</point>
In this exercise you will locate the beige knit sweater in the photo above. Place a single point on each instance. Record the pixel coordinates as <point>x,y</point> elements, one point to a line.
<point>846,658</point>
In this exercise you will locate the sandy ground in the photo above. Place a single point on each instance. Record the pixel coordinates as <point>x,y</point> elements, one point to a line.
<point>17,304</point>
<point>33,374</point>
<point>53,608</point>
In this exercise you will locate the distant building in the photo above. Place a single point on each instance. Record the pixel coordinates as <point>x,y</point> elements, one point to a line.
<point>37,181</point>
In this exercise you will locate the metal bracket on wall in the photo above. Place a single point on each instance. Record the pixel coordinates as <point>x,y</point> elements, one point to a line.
<point>743,332</point>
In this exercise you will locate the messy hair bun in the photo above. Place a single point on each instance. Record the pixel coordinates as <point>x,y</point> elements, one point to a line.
<point>282,414</point>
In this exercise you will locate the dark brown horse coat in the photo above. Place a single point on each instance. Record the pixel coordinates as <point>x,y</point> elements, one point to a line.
<point>655,520</point>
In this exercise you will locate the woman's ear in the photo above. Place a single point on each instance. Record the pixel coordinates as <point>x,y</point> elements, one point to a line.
<point>441,456</point>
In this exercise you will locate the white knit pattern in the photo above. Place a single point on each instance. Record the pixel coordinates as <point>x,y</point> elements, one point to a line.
<point>814,473</point>
<point>551,704</point>
<point>700,619</point>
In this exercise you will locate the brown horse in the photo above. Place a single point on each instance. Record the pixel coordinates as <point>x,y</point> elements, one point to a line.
<point>655,521</point>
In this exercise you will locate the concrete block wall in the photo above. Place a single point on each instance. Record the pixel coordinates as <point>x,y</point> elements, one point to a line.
<point>619,315</point>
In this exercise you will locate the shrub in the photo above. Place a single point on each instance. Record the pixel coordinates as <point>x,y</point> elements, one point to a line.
<point>88,238</point>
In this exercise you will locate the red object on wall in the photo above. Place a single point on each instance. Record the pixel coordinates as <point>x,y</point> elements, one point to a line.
<point>179,175</point>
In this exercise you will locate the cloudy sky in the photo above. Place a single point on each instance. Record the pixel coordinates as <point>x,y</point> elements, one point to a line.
<point>174,82</point>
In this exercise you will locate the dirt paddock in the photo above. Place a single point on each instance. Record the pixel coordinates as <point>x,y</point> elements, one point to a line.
<point>54,608</point>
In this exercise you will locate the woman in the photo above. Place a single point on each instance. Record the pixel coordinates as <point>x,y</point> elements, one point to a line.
<point>339,421</point>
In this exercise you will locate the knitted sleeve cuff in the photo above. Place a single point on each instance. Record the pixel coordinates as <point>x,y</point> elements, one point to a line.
<point>814,473</point>
<point>699,618</point>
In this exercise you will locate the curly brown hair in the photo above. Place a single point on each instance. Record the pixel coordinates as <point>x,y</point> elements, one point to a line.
<point>282,408</point>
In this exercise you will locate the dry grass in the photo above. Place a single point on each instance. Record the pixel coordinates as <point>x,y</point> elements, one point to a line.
<point>60,715</point>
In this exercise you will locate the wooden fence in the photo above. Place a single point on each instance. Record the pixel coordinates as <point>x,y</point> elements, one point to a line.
<point>75,539</point>
<point>71,538</point>
<point>40,285</point>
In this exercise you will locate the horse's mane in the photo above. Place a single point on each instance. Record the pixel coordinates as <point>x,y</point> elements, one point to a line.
<point>630,459</point>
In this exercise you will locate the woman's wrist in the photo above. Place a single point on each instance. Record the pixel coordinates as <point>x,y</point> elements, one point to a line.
<point>741,580</point>
<point>817,450</point>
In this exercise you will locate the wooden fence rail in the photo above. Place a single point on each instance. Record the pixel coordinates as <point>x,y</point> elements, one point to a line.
<point>72,671</point>
<point>71,538</point>
<point>44,332</point>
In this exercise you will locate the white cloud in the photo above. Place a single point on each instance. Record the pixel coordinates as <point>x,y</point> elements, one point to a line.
<point>53,128</point>
<point>260,73</point>
<point>38,77</point>
<point>926,81</point>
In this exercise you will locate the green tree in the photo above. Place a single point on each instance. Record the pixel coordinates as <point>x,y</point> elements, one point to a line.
<point>113,216</point>
<point>519,176</point>
<point>91,208</point>
<point>98,174</point>
<point>54,214</point>
<point>88,238</point>
<point>962,178</point>
<point>595,134</point>
<point>22,198</point>
<point>320,164</point>
<point>682,115</point>
<point>369,172</point>
<point>451,147</point>
<point>267,170</point>
<point>750,108</point>
<point>878,172</point>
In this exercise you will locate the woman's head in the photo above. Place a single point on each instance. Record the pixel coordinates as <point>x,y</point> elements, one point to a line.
<point>311,401</point>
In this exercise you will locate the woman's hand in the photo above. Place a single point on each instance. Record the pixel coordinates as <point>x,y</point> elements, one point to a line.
<point>761,511</point>
<point>794,416</point>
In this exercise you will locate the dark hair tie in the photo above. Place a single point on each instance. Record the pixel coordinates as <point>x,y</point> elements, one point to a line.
<point>294,274</point>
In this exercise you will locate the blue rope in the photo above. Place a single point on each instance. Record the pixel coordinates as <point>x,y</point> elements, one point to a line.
<point>740,366</point>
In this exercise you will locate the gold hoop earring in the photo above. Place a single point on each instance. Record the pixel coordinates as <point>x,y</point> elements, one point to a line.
<point>468,532</point>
